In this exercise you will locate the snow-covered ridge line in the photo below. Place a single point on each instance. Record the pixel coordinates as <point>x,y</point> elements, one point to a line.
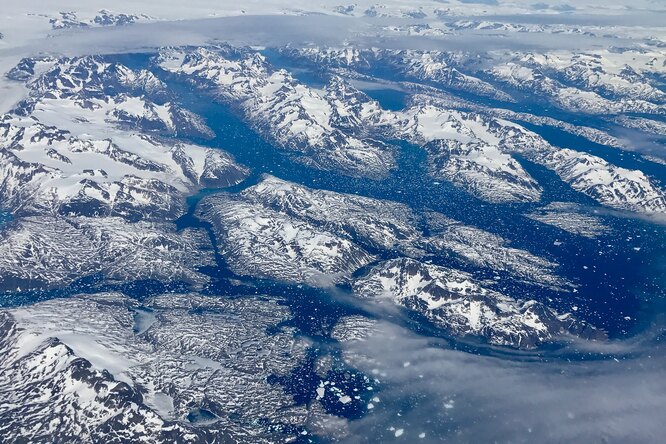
<point>261,242</point>
<point>93,91</point>
<point>619,80</point>
<point>60,155</point>
<point>456,302</point>
<point>294,116</point>
<point>614,186</point>
<point>284,231</point>
<point>434,67</point>
<point>45,169</point>
<point>290,223</point>
<point>473,150</point>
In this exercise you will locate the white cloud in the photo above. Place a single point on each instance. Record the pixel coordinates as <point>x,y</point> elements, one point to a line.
<point>512,397</point>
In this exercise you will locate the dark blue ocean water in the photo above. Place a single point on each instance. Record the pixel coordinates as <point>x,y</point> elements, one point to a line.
<point>4,218</point>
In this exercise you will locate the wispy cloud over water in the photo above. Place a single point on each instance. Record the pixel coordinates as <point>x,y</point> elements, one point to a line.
<point>464,397</point>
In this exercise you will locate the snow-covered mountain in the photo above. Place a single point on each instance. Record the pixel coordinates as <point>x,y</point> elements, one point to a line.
<point>483,171</point>
<point>473,150</point>
<point>456,152</point>
<point>104,17</point>
<point>46,169</point>
<point>581,88</point>
<point>378,224</point>
<point>455,301</point>
<point>613,186</point>
<point>304,234</point>
<point>262,242</point>
<point>471,245</point>
<point>185,368</point>
<point>41,252</point>
<point>94,91</point>
<point>93,185</point>
<point>59,155</point>
<point>455,205</point>
<point>433,67</point>
<point>287,112</point>
<point>595,82</point>
<point>288,232</point>
<point>393,227</point>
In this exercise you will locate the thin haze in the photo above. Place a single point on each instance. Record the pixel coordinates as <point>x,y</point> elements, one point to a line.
<point>318,30</point>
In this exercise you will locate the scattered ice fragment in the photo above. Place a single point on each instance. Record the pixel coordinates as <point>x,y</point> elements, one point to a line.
<point>371,406</point>
<point>345,399</point>
<point>406,364</point>
<point>422,435</point>
<point>399,432</point>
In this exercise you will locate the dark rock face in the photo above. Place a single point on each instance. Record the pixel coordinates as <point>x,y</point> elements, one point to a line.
<point>107,18</point>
